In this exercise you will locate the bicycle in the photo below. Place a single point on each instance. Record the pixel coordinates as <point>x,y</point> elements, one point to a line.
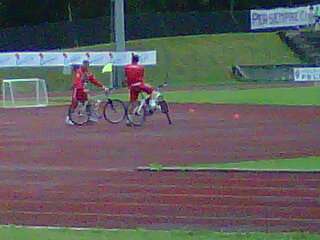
<point>139,110</point>
<point>112,110</point>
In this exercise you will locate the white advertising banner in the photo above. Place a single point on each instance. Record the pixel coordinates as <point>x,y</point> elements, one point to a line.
<point>27,59</point>
<point>306,74</point>
<point>147,57</point>
<point>51,59</point>
<point>121,58</point>
<point>280,17</point>
<point>8,59</point>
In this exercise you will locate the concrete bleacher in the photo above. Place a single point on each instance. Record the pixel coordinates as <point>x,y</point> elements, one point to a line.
<point>306,44</point>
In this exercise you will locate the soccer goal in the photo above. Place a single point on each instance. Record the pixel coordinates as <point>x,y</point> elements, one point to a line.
<point>21,93</point>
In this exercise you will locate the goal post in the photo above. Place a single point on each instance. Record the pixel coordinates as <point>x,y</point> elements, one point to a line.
<point>21,93</point>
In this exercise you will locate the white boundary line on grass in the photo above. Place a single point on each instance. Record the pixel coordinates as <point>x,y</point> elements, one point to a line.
<point>192,169</point>
<point>153,169</point>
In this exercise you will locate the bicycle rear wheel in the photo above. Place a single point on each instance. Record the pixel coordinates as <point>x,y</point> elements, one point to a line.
<point>136,117</point>
<point>114,111</point>
<point>79,115</point>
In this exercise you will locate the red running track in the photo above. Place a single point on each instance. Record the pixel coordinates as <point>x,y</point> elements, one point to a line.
<point>54,175</point>
<point>228,201</point>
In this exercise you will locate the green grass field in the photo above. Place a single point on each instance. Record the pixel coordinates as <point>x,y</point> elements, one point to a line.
<point>296,164</point>
<point>302,96</point>
<point>190,61</point>
<point>271,96</point>
<point>13,233</point>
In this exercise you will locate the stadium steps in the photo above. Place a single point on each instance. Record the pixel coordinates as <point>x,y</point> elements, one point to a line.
<point>305,44</point>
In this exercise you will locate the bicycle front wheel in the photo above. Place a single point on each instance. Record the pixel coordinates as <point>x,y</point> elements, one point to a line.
<point>114,111</point>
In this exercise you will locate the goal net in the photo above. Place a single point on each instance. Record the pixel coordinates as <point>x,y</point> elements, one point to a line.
<point>20,93</point>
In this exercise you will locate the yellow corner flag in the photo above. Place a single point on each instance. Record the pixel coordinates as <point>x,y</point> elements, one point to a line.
<point>107,68</point>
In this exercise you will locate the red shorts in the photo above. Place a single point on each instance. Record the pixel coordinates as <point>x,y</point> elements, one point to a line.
<point>136,90</point>
<point>79,95</point>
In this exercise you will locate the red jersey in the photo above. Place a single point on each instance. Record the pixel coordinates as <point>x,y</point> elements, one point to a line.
<point>134,74</point>
<point>82,77</point>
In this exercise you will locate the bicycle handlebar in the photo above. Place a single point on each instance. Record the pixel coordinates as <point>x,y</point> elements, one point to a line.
<point>107,93</point>
<point>165,84</point>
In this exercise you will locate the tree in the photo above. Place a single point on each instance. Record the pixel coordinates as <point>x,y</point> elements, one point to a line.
<point>3,16</point>
<point>29,12</point>
<point>232,5</point>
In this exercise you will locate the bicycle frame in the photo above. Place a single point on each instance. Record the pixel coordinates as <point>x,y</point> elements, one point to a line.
<point>82,106</point>
<point>94,104</point>
<point>142,104</point>
<point>144,99</point>
<point>138,113</point>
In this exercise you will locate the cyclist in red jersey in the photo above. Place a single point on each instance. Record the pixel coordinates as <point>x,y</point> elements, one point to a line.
<point>134,77</point>
<point>134,74</point>
<point>82,76</point>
